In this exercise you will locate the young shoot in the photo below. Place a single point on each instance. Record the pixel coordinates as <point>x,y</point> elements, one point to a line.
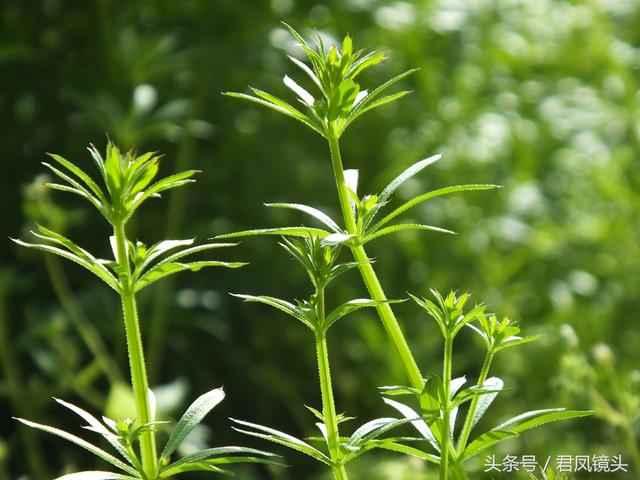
<point>341,100</point>
<point>319,260</point>
<point>127,182</point>
<point>441,396</point>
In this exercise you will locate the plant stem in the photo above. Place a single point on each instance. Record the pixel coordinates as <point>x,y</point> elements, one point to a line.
<point>326,389</point>
<point>136,355</point>
<point>466,429</point>
<point>368,274</point>
<point>446,380</point>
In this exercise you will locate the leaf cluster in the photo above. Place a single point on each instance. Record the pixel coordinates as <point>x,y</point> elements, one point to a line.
<point>333,71</point>
<point>123,434</point>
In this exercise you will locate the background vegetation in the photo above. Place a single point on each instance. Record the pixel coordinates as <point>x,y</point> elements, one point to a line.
<point>541,97</point>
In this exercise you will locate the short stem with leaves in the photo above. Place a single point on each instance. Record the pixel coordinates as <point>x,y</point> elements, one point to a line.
<point>446,409</point>
<point>368,274</point>
<point>328,403</point>
<point>466,429</point>
<point>136,354</point>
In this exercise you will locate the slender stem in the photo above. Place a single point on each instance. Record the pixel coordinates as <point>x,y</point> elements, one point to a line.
<point>368,274</point>
<point>468,425</point>
<point>326,389</point>
<point>136,355</point>
<point>445,434</point>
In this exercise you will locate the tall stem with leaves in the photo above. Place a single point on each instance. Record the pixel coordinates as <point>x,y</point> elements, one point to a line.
<point>319,258</point>
<point>341,102</point>
<point>128,179</point>
<point>326,389</point>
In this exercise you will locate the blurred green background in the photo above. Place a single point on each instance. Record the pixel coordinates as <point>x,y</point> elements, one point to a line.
<point>540,96</point>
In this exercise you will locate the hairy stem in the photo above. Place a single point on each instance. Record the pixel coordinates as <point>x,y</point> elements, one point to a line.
<point>136,355</point>
<point>368,274</point>
<point>446,409</point>
<point>328,403</point>
<point>466,429</point>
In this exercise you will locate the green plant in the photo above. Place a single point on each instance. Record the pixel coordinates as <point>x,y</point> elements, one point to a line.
<point>129,183</point>
<point>319,260</point>
<point>341,102</point>
<point>442,396</point>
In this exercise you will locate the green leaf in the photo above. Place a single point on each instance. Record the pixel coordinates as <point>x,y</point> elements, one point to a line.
<point>515,340</point>
<point>94,267</point>
<point>192,417</point>
<point>337,239</point>
<point>402,227</point>
<point>293,112</point>
<point>98,427</point>
<point>290,112</point>
<point>374,429</point>
<point>88,181</point>
<point>81,443</point>
<point>78,188</point>
<point>351,306</point>
<point>485,400</point>
<point>205,455</point>
<point>432,194</point>
<point>519,424</point>
<point>318,214</point>
<point>96,475</point>
<point>536,418</point>
<point>282,305</point>
<point>164,269</point>
<point>303,66</point>
<point>408,450</point>
<point>485,441</point>
<point>364,62</point>
<point>283,439</point>
<point>285,231</point>
<point>377,92</point>
<point>374,104</point>
<point>416,420</point>
<point>406,175</point>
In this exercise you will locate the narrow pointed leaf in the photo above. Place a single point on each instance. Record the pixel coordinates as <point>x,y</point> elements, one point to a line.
<point>285,231</point>
<point>282,305</point>
<point>88,181</point>
<point>81,443</point>
<point>96,475</point>
<point>98,427</point>
<point>536,418</point>
<point>293,113</point>
<point>416,420</point>
<point>429,195</point>
<point>402,227</point>
<point>406,175</point>
<point>314,212</point>
<point>282,439</point>
<point>96,268</point>
<point>408,450</point>
<point>351,306</point>
<point>485,401</point>
<point>305,68</point>
<point>486,440</point>
<point>207,454</point>
<point>191,418</point>
<point>162,270</point>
